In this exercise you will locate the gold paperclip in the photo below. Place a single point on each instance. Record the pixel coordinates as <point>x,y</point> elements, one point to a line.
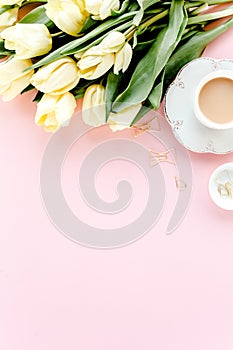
<point>229,187</point>
<point>225,185</point>
<point>180,184</point>
<point>223,191</point>
<point>141,128</point>
<point>157,157</point>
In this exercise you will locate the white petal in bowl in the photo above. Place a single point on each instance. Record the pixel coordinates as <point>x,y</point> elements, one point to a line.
<point>221,186</point>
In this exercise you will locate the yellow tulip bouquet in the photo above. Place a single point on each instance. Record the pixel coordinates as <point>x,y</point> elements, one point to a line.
<point>119,56</point>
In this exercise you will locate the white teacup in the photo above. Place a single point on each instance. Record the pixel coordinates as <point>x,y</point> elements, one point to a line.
<point>213,101</point>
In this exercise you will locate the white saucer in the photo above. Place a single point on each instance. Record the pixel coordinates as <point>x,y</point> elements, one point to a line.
<point>179,101</point>
<point>222,175</point>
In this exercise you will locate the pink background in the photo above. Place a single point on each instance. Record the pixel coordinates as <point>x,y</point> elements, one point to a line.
<point>161,292</point>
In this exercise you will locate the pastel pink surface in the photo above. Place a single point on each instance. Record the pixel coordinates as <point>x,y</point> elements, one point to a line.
<point>161,292</point>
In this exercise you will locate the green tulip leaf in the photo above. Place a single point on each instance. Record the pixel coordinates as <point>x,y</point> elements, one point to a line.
<point>147,3</point>
<point>139,15</point>
<point>38,15</point>
<point>192,49</point>
<point>122,9</point>
<point>156,94</point>
<point>143,111</point>
<point>112,88</point>
<point>144,45</point>
<point>144,4</point>
<point>89,23</point>
<point>6,8</point>
<point>80,89</point>
<point>151,65</point>
<point>3,51</point>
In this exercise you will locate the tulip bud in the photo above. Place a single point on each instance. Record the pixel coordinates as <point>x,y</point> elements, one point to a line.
<point>54,112</point>
<point>122,59</point>
<point>8,36</point>
<point>13,79</point>
<point>8,18</point>
<point>57,77</point>
<point>28,39</point>
<point>113,42</point>
<point>101,9</point>
<point>94,63</point>
<point>97,60</point>
<point>124,118</point>
<point>68,15</point>
<point>93,109</point>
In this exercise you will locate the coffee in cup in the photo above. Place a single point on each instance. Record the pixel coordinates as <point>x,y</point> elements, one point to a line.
<point>213,105</point>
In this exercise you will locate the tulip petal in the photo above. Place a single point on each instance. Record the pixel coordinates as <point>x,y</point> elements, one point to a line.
<point>31,40</point>
<point>107,6</point>
<point>68,15</point>
<point>13,79</point>
<point>93,6</point>
<point>8,18</point>
<point>54,112</point>
<point>93,109</point>
<point>113,42</point>
<point>96,71</point>
<point>57,77</point>
<point>123,59</point>
<point>123,119</point>
<point>8,36</point>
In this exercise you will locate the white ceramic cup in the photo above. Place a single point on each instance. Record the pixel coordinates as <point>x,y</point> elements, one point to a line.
<point>197,110</point>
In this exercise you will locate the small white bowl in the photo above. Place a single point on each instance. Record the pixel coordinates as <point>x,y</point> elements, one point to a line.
<point>218,179</point>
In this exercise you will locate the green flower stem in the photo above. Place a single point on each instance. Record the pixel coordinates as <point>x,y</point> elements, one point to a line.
<point>156,18</point>
<point>56,34</point>
<point>130,32</point>
<point>97,41</point>
<point>190,29</point>
<point>25,3</point>
<point>192,5</point>
<point>200,9</point>
<point>154,12</point>
<point>212,16</point>
<point>214,2</point>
